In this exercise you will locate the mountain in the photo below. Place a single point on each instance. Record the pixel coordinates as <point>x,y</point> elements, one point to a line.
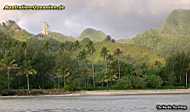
<point>93,35</point>
<point>173,36</point>
<point>131,53</point>
<point>177,23</point>
<point>11,28</point>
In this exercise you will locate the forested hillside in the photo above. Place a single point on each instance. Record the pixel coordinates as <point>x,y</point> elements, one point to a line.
<point>172,37</point>
<point>154,59</point>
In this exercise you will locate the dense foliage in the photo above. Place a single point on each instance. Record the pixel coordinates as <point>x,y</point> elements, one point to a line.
<point>46,64</point>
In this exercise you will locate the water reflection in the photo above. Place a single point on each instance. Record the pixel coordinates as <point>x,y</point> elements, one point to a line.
<point>90,103</point>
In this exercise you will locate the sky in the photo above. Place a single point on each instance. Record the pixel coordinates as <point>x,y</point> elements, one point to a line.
<point>118,18</point>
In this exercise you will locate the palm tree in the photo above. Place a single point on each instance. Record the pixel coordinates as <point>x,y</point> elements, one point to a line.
<point>7,65</point>
<point>76,44</point>
<point>58,75</point>
<point>117,53</point>
<point>64,73</point>
<point>26,68</point>
<point>91,50</point>
<point>109,59</point>
<point>27,71</point>
<point>82,58</point>
<point>104,52</point>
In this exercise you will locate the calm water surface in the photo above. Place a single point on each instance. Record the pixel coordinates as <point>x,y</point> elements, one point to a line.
<point>91,103</point>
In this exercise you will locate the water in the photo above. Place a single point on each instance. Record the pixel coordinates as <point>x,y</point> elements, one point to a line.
<point>91,103</point>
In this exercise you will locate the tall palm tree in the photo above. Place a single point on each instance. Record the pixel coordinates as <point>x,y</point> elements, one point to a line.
<point>109,59</point>
<point>104,52</point>
<point>26,68</point>
<point>7,65</point>
<point>91,50</point>
<point>58,76</point>
<point>117,53</point>
<point>62,72</point>
<point>27,71</point>
<point>82,58</point>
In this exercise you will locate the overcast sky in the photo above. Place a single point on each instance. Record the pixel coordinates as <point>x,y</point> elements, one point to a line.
<point>119,18</point>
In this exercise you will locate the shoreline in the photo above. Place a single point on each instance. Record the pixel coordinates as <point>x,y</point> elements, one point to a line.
<point>130,92</point>
<point>114,93</point>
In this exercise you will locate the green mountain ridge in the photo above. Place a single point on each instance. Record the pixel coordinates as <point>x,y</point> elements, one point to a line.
<point>135,53</point>
<point>177,23</point>
<point>173,36</point>
<point>11,28</point>
<point>93,35</point>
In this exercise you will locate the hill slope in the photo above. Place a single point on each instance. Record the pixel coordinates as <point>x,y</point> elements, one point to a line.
<point>131,53</point>
<point>177,23</point>
<point>11,28</point>
<point>172,37</point>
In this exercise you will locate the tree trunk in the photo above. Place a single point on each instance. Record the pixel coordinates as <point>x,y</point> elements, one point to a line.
<point>8,78</point>
<point>107,84</point>
<point>93,72</point>
<point>106,68</point>
<point>180,79</point>
<point>58,85</point>
<point>119,70</point>
<point>186,80</point>
<point>64,78</point>
<point>106,65</point>
<point>78,62</point>
<point>28,83</point>
<point>102,84</point>
<point>85,84</point>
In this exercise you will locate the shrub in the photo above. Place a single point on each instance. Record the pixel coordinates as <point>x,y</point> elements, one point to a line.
<point>154,81</point>
<point>138,82</point>
<point>68,88</point>
<point>124,83</point>
<point>3,82</point>
<point>37,92</point>
<point>8,93</point>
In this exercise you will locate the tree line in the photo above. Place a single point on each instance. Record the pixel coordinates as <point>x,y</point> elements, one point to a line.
<point>48,64</point>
